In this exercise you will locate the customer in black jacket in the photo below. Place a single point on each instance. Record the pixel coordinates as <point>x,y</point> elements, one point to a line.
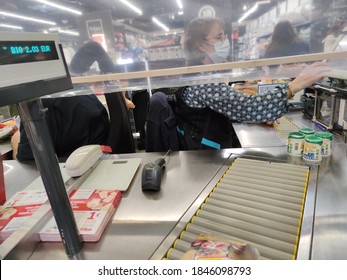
<point>72,121</point>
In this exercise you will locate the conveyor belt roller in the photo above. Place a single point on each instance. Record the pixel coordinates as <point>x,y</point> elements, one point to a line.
<point>257,202</point>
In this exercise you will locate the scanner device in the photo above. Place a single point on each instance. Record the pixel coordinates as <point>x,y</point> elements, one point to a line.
<point>152,173</point>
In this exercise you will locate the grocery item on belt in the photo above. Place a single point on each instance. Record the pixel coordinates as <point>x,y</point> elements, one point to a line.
<point>312,149</point>
<point>208,247</point>
<point>327,143</point>
<point>307,131</point>
<point>296,141</point>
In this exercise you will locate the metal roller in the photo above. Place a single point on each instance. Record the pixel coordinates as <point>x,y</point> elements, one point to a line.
<point>249,231</point>
<point>260,199</point>
<point>182,245</point>
<point>293,179</point>
<point>295,198</point>
<point>265,252</point>
<point>264,178</point>
<point>250,227</point>
<point>262,207</point>
<point>188,236</point>
<point>297,192</point>
<point>253,211</point>
<point>266,242</point>
<point>285,186</point>
<point>249,218</point>
<point>174,254</point>
<point>280,167</point>
<point>256,205</point>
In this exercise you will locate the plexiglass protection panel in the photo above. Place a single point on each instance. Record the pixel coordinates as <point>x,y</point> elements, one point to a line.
<point>153,38</point>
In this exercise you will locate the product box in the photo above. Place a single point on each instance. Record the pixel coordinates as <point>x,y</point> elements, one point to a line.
<point>265,88</point>
<point>17,209</point>
<point>92,209</point>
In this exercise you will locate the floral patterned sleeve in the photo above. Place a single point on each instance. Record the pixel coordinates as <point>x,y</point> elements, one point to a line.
<point>236,105</point>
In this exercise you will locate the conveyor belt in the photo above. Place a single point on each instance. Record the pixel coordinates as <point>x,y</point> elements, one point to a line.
<point>257,202</point>
<point>285,126</point>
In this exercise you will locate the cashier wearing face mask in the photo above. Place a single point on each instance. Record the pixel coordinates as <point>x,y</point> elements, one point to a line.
<point>206,42</point>
<point>194,125</point>
<point>200,116</point>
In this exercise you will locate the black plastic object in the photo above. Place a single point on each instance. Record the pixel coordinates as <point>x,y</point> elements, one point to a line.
<point>151,175</point>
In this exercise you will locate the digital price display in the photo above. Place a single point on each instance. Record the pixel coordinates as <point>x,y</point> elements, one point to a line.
<point>31,65</point>
<point>14,52</point>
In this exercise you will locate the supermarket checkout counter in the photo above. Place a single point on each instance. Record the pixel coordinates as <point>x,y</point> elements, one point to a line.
<point>146,225</point>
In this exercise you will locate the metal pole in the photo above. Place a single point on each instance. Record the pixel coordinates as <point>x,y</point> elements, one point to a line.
<point>2,183</point>
<point>149,86</point>
<point>33,118</point>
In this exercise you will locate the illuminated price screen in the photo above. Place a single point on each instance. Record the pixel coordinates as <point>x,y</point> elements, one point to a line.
<point>14,52</point>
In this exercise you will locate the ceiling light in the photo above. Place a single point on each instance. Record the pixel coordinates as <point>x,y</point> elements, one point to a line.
<point>6,14</point>
<point>123,61</point>
<point>56,28</point>
<point>74,33</point>
<point>11,26</point>
<point>64,8</point>
<point>63,31</point>
<point>180,13</point>
<point>179,3</point>
<point>131,6</point>
<point>264,2</point>
<point>160,24</point>
<point>250,11</point>
<point>253,9</point>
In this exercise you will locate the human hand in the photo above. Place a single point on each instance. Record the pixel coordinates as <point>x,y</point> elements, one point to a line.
<point>129,104</point>
<point>123,84</point>
<point>14,143</point>
<point>271,123</point>
<point>13,130</point>
<point>311,74</point>
<point>290,70</point>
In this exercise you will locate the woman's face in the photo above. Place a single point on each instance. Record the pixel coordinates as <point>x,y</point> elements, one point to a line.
<point>214,36</point>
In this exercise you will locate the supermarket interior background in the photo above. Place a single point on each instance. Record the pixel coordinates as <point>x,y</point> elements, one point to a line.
<point>260,194</point>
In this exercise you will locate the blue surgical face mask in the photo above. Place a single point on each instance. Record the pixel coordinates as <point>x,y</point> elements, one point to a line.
<point>222,49</point>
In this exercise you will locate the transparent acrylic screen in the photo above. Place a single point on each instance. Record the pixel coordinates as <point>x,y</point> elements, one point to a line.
<point>137,35</point>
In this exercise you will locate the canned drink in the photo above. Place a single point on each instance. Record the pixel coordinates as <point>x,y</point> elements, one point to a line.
<point>296,142</point>
<point>312,149</point>
<point>307,131</point>
<point>327,143</point>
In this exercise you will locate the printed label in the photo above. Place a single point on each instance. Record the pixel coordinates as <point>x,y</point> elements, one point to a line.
<point>312,152</point>
<point>295,147</point>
